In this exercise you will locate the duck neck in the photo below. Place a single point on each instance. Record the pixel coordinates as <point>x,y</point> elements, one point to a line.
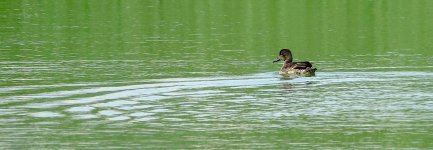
<point>289,58</point>
<point>287,64</point>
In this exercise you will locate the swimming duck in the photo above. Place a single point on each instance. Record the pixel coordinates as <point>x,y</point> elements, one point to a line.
<point>290,68</point>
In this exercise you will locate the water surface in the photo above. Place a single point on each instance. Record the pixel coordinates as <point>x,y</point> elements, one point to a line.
<point>199,74</point>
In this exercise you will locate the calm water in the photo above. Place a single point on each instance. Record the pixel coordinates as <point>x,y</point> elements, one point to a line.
<point>198,74</point>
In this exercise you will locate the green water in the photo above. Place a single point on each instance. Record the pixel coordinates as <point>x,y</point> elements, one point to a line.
<point>198,74</point>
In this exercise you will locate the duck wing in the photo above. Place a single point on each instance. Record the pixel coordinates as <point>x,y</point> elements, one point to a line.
<point>302,65</point>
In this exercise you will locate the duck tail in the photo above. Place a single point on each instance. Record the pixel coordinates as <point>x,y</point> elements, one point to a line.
<point>312,69</point>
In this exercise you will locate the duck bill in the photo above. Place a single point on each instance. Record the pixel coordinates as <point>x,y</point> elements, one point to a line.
<point>276,60</point>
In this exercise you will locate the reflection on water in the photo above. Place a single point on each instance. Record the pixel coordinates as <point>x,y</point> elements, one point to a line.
<point>332,105</point>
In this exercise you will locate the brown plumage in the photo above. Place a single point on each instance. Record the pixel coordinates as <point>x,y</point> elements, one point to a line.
<point>303,68</point>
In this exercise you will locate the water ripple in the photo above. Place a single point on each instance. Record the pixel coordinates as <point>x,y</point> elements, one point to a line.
<point>331,102</point>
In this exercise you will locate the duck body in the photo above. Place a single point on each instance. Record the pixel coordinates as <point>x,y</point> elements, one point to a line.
<point>290,68</point>
<point>297,68</point>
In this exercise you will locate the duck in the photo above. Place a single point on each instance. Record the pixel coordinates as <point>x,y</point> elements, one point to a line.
<point>291,68</point>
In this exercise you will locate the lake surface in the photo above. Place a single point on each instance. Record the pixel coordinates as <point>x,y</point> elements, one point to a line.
<point>198,74</point>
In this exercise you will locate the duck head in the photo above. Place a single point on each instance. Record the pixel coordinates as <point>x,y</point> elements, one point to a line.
<point>285,55</point>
